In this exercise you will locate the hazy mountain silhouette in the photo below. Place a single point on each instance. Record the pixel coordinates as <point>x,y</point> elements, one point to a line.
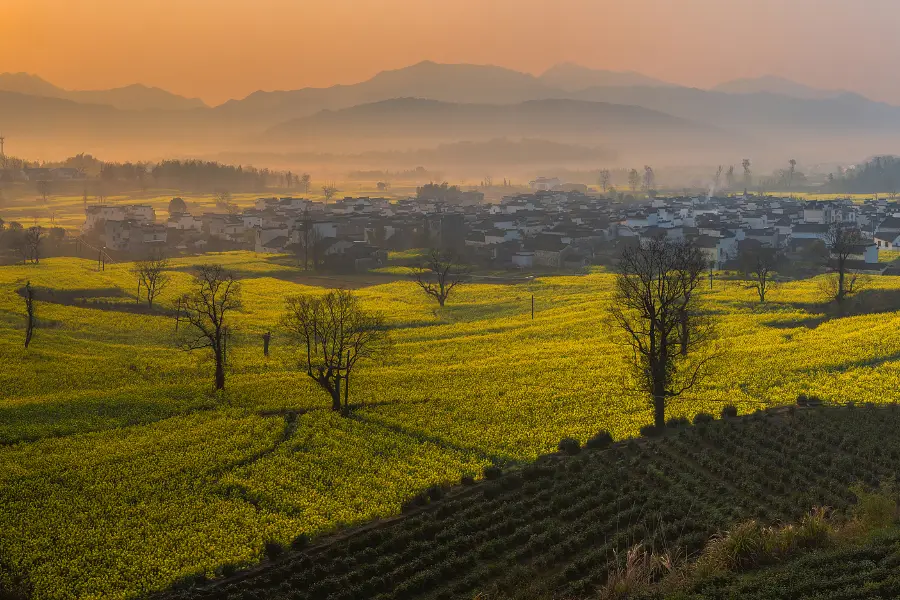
<point>480,84</point>
<point>759,112</point>
<point>391,111</point>
<point>132,97</point>
<point>571,77</point>
<point>415,122</point>
<point>778,85</point>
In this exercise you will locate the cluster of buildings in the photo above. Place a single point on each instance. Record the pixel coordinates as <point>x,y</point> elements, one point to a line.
<point>546,228</point>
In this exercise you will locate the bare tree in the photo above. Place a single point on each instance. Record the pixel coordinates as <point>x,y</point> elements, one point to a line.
<point>215,295</point>
<point>305,180</point>
<point>151,275</point>
<point>43,188</point>
<point>717,179</point>
<point>604,179</point>
<point>692,264</point>
<point>29,313</point>
<point>329,190</point>
<point>759,264</point>
<point>748,176</point>
<point>333,333</point>
<point>843,241</point>
<point>32,240</point>
<point>653,291</point>
<point>649,178</point>
<point>634,180</point>
<point>792,168</point>
<point>440,273</point>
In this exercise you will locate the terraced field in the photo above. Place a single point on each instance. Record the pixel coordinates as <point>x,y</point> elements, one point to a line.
<point>553,529</point>
<point>122,473</point>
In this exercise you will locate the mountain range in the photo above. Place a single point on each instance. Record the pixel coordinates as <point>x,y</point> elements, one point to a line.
<point>427,104</point>
<point>132,97</point>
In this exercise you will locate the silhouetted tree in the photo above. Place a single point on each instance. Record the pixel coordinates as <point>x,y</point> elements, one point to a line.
<point>440,273</point>
<point>32,239</point>
<point>305,180</point>
<point>216,294</point>
<point>177,206</point>
<point>634,180</point>
<point>43,188</point>
<point>333,333</point>
<point>329,190</point>
<point>654,289</point>
<point>843,241</point>
<point>748,178</point>
<point>151,275</point>
<point>604,179</point>
<point>759,264</point>
<point>649,178</point>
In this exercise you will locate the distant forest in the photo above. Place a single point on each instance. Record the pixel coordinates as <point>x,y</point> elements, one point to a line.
<point>189,175</point>
<point>880,174</point>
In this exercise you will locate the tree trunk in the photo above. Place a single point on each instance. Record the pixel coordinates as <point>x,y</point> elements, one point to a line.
<point>840,293</point>
<point>441,301</point>
<point>659,411</point>
<point>336,394</point>
<point>220,370</point>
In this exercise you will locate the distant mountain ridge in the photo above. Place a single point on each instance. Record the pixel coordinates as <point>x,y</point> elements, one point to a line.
<point>572,77</point>
<point>771,84</point>
<point>131,97</point>
<point>391,112</point>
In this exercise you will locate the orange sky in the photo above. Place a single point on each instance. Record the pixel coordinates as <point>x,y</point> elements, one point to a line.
<point>220,49</point>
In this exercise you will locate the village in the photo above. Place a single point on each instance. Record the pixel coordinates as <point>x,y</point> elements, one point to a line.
<point>546,229</point>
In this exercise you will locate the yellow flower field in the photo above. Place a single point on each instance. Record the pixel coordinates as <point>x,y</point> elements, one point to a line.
<point>120,471</point>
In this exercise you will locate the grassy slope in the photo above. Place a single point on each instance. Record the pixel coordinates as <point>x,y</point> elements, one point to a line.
<point>859,571</point>
<point>120,473</point>
<point>552,529</point>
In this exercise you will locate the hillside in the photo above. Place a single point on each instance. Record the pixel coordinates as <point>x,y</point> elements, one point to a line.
<point>132,97</point>
<point>419,119</point>
<point>866,571</point>
<point>551,530</point>
<point>105,423</point>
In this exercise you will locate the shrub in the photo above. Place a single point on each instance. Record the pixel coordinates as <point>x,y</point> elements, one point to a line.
<point>273,550</point>
<point>675,422</point>
<point>851,405</point>
<point>300,542</point>
<point>703,418</point>
<point>802,400</point>
<point>467,480</point>
<point>602,439</point>
<point>870,405</point>
<point>814,401</point>
<point>226,570</point>
<point>569,446</point>
<point>492,472</point>
<point>651,431</point>
<point>435,492</point>
<point>729,412</point>
<point>877,509</point>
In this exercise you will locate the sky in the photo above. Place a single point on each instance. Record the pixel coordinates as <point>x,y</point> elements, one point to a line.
<point>221,49</point>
